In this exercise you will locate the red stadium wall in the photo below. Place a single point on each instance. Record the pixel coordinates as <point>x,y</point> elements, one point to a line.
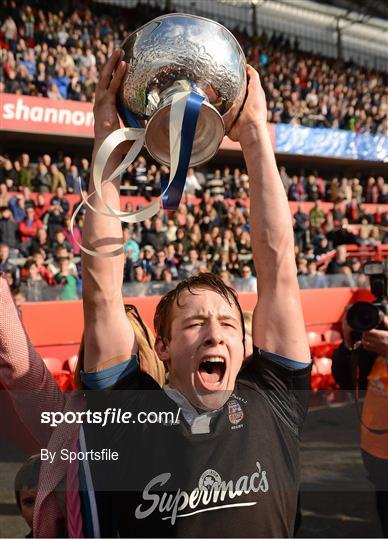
<point>55,328</point>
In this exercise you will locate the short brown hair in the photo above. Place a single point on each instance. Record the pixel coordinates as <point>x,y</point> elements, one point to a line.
<point>28,476</point>
<point>204,280</point>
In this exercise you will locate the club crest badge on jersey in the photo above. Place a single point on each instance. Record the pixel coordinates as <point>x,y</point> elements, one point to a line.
<point>235,412</point>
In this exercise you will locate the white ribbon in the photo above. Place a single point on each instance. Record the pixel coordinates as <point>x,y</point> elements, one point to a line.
<point>177,111</point>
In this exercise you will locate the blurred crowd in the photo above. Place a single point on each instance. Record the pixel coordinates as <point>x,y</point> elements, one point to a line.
<point>45,173</point>
<point>48,52</point>
<point>209,231</point>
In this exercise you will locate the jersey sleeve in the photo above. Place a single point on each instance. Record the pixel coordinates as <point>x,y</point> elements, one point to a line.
<point>285,384</point>
<point>109,377</point>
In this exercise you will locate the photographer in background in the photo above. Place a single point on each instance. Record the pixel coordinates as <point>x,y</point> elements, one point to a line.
<point>361,363</point>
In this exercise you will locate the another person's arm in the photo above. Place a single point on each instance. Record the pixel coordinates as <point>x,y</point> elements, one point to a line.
<point>109,337</point>
<point>23,373</point>
<point>278,324</point>
<point>377,340</point>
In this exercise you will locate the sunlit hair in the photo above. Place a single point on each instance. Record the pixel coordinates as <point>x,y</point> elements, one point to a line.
<point>248,319</point>
<point>149,360</point>
<point>205,280</point>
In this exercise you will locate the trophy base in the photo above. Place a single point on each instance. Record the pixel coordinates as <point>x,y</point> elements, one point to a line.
<point>209,133</point>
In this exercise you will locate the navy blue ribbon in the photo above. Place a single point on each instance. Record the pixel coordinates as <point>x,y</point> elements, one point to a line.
<point>172,197</point>
<point>129,118</point>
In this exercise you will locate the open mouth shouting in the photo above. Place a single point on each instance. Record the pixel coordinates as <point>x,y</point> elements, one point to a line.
<point>211,372</point>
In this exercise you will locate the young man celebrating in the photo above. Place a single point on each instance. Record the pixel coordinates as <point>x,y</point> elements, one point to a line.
<point>228,466</point>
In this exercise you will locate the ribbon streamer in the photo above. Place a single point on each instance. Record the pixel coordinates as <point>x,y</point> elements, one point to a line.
<point>184,113</point>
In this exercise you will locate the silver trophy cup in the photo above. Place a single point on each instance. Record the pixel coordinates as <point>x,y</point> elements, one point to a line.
<point>176,53</point>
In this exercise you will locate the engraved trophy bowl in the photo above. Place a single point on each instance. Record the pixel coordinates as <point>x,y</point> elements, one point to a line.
<point>175,53</point>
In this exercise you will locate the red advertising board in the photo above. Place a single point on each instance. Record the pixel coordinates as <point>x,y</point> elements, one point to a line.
<point>45,116</point>
<point>57,117</point>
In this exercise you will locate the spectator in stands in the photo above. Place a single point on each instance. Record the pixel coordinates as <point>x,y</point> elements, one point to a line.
<point>62,253</point>
<point>317,217</point>
<point>156,236</point>
<point>56,219</point>
<point>42,180</point>
<point>8,228</point>
<point>190,265</point>
<point>234,264</point>
<point>296,190</point>
<point>357,190</point>
<point>167,281</point>
<point>10,31</point>
<point>353,211</point>
<point>140,175</point>
<point>222,263</point>
<point>73,238</point>
<point>26,482</point>
<point>60,241</point>
<point>216,184</point>
<point>16,203</point>
<point>41,241</point>
<point>345,191</point>
<point>41,207</point>
<point>192,184</point>
<point>73,180</point>
<point>59,198</point>
<point>4,195</point>
<point>66,280</point>
<point>57,178</point>
<point>139,283</point>
<point>337,212</point>
<point>65,167</point>
<point>247,283</point>
<point>33,287</point>
<point>312,190</point>
<point>84,173</point>
<point>130,245</point>
<point>301,228</point>
<point>322,246</point>
<point>39,257</point>
<point>339,262</point>
<point>172,260</point>
<point>371,191</point>
<point>5,263</point>
<point>159,265</point>
<point>24,175</point>
<point>28,229</point>
<point>147,260</point>
<point>314,279</point>
<point>383,190</point>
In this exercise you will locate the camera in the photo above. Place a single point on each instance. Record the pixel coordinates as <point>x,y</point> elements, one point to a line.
<point>365,316</point>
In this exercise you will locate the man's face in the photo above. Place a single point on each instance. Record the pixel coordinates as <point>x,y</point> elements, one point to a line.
<point>193,256</point>
<point>27,503</point>
<point>205,351</point>
<point>4,252</point>
<point>246,272</point>
<point>60,237</point>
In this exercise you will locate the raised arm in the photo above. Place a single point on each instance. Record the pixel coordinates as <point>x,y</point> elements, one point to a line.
<point>109,337</point>
<point>278,324</point>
